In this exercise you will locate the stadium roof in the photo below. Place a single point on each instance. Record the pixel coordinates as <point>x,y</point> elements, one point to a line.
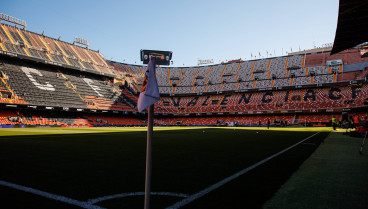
<point>352,25</point>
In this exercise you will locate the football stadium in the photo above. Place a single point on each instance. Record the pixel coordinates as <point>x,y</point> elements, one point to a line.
<point>267,132</point>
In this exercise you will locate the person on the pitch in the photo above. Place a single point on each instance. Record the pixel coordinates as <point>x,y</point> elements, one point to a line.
<point>356,120</point>
<point>334,123</point>
<point>268,124</point>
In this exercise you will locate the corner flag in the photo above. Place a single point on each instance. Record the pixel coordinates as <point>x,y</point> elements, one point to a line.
<point>149,93</point>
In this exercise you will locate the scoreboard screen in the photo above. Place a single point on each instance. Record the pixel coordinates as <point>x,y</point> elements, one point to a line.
<point>162,57</point>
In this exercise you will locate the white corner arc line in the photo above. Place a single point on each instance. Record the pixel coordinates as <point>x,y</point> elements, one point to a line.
<point>230,178</point>
<point>114,196</point>
<point>50,196</point>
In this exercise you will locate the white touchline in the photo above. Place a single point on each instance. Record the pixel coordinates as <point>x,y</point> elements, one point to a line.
<point>230,178</point>
<point>100,199</point>
<point>50,196</point>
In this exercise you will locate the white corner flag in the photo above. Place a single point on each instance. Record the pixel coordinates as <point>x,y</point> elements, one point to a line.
<point>149,93</point>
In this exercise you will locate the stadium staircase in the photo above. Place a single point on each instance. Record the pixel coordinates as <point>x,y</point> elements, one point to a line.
<point>296,119</point>
<point>13,97</point>
<point>68,83</point>
<point>82,121</point>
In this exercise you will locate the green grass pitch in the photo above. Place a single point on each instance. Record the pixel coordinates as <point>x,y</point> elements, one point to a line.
<point>88,163</point>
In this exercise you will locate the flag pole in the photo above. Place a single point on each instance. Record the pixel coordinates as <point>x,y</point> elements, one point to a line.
<point>147,191</point>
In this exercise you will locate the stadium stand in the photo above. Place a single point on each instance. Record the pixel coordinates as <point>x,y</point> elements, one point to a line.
<point>274,72</point>
<point>36,117</point>
<point>40,72</point>
<point>304,99</point>
<point>49,86</point>
<point>38,46</point>
<point>221,121</point>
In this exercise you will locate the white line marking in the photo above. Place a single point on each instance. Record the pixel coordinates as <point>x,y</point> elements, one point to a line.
<point>50,196</point>
<point>100,199</point>
<point>230,178</point>
<point>313,144</point>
